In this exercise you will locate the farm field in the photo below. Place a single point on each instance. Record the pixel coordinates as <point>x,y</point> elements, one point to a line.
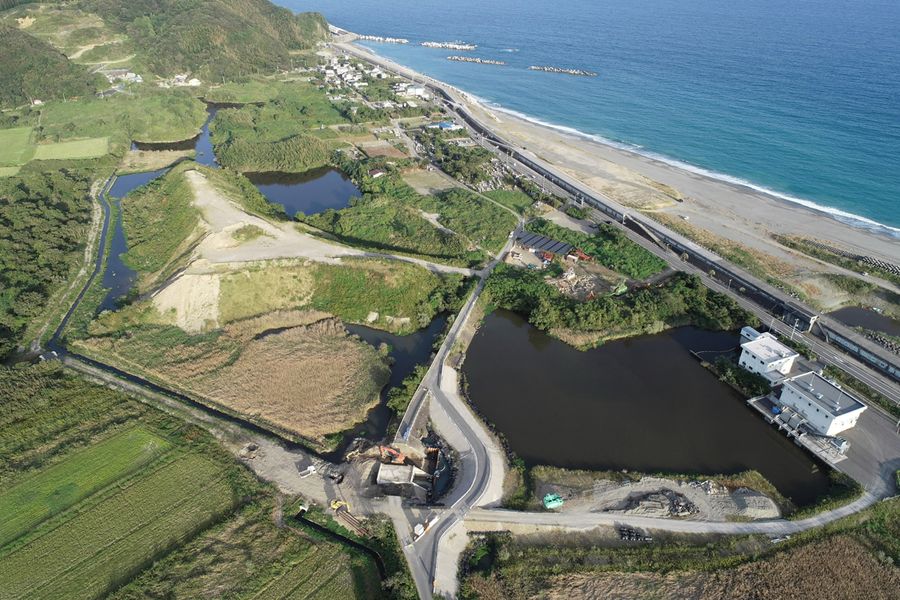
<point>15,146</point>
<point>250,556</point>
<point>119,534</point>
<point>76,149</point>
<point>28,503</point>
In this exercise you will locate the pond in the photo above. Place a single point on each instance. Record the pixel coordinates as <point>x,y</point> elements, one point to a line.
<point>201,143</point>
<point>310,192</point>
<point>406,352</point>
<point>118,278</point>
<point>855,316</point>
<point>642,404</point>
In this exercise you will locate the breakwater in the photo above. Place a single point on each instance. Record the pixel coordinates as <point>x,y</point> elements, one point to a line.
<point>457,45</point>
<point>578,72</point>
<point>475,59</point>
<point>383,40</point>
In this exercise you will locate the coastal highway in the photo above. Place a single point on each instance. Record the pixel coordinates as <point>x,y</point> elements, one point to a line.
<point>728,278</point>
<point>475,473</point>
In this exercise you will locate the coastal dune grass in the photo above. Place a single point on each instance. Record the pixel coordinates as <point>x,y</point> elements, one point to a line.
<point>51,491</point>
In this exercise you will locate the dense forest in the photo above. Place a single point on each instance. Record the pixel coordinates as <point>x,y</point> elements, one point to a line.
<point>681,300</point>
<point>44,219</point>
<point>31,69</point>
<point>211,38</point>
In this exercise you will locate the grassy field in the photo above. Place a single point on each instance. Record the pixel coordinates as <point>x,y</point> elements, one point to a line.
<point>150,116</point>
<point>8,171</point>
<point>404,296</point>
<point>251,91</point>
<point>296,373</point>
<point>386,225</point>
<point>76,149</point>
<point>30,502</point>
<point>515,199</point>
<point>481,222</point>
<point>15,146</point>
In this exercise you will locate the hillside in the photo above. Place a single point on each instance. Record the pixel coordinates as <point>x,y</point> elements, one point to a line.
<point>211,38</point>
<point>32,69</point>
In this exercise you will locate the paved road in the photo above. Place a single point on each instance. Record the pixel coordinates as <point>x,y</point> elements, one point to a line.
<point>487,518</point>
<point>474,473</point>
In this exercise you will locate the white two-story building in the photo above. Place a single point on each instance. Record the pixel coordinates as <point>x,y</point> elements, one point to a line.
<point>827,408</point>
<point>765,355</point>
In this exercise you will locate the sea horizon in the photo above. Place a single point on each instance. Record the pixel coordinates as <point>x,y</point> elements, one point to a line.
<point>845,183</point>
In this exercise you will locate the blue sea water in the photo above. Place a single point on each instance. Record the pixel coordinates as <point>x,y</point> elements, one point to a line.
<point>800,97</point>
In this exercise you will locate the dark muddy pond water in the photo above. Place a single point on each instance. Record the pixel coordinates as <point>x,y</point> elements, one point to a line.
<point>854,316</point>
<point>643,404</point>
<point>118,277</point>
<point>311,192</point>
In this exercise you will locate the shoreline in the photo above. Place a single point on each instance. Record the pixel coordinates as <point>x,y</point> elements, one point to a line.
<point>724,205</point>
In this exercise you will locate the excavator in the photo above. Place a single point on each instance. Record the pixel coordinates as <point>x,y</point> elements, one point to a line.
<point>392,456</point>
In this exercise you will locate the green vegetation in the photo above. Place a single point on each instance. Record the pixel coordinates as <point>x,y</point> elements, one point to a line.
<point>120,533</point>
<point>466,163</point>
<point>399,397</point>
<point>44,220</point>
<point>480,221</point>
<point>169,481</point>
<point>749,384</point>
<point>851,285</point>
<point>149,116</point>
<point>33,70</point>
<point>514,199</point>
<point>863,390</point>
<point>386,225</point>
<point>681,300</point>
<point>802,348</point>
<point>239,189</point>
<point>243,92</point>
<point>8,171</point>
<point>806,247</point>
<point>158,218</point>
<point>89,148</point>
<point>610,247</point>
<point>393,289</point>
<point>211,38</point>
<point>27,504</point>
<point>295,154</point>
<point>15,146</point>
<point>248,233</point>
<point>276,136</point>
<point>576,212</point>
<point>249,556</point>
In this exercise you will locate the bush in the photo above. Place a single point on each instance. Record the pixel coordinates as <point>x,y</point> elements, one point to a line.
<point>749,384</point>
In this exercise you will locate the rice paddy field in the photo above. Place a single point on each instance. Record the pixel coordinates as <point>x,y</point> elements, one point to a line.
<point>103,496</point>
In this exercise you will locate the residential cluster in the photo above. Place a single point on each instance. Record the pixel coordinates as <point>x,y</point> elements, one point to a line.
<point>340,72</point>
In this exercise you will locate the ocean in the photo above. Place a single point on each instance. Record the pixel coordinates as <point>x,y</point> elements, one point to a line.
<point>799,98</point>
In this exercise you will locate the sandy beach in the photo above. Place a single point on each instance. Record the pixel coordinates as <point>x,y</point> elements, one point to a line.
<point>683,198</point>
<point>730,210</point>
